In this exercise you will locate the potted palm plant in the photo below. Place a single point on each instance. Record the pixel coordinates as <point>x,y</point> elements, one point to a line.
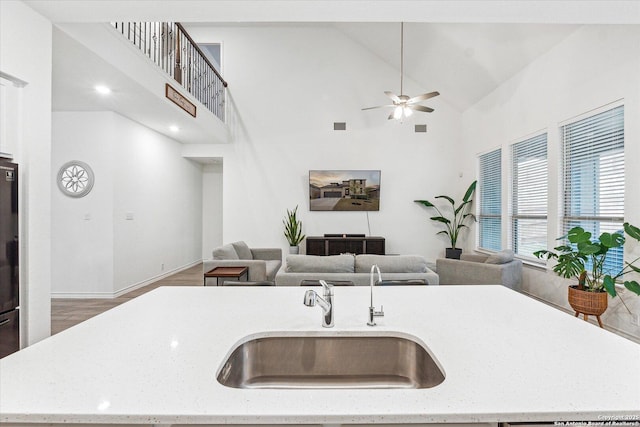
<point>589,296</point>
<point>456,222</point>
<point>293,230</point>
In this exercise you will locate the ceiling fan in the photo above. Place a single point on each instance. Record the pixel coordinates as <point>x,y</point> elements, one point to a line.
<point>403,105</point>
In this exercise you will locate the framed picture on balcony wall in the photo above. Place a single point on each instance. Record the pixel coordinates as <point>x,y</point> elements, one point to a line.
<point>180,100</point>
<point>344,190</point>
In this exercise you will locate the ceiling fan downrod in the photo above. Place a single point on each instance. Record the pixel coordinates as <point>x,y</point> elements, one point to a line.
<point>401,56</point>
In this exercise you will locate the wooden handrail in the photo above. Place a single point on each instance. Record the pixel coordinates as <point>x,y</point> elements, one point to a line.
<point>197,48</point>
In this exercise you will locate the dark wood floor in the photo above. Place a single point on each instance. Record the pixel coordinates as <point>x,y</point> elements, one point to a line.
<point>67,312</point>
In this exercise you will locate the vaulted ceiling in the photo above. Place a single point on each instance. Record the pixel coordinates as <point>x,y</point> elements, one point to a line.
<point>464,61</point>
<point>462,48</point>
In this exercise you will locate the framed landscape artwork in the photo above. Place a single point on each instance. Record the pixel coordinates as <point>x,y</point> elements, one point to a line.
<point>344,190</point>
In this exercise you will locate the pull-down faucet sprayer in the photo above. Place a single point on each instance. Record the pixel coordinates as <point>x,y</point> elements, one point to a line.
<point>311,298</point>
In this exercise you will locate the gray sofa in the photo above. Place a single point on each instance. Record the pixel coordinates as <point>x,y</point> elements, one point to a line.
<point>500,268</point>
<point>395,269</point>
<point>263,263</point>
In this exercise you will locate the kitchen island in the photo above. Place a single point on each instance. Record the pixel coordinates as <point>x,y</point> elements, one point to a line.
<point>155,359</point>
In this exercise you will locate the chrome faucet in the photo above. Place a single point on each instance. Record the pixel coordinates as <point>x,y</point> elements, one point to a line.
<point>372,310</point>
<point>325,302</point>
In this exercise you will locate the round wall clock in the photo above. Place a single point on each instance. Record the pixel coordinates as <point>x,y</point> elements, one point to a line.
<point>75,179</point>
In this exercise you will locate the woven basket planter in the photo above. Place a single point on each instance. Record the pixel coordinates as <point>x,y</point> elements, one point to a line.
<point>593,303</point>
<point>588,303</point>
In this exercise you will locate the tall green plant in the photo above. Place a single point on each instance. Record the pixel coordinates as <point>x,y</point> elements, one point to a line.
<point>572,259</point>
<point>461,214</point>
<point>293,228</point>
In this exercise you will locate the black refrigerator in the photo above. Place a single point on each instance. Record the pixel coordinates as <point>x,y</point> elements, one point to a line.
<point>9,269</point>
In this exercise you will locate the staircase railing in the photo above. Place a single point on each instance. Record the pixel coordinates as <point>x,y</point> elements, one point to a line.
<point>172,49</point>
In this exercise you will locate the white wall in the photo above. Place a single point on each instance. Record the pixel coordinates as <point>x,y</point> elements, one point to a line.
<point>211,208</point>
<point>82,228</point>
<point>139,173</point>
<point>163,191</point>
<point>25,53</point>
<point>287,85</point>
<point>593,67</point>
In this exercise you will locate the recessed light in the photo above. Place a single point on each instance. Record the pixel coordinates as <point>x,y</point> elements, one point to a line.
<point>102,90</point>
<point>174,128</point>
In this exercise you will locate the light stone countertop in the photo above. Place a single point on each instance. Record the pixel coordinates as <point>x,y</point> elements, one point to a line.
<point>506,357</point>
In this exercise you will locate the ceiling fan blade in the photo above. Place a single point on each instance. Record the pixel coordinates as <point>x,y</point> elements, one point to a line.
<point>392,95</point>
<point>422,97</point>
<point>378,106</point>
<point>421,108</point>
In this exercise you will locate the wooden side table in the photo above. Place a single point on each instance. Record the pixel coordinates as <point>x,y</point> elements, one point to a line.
<point>227,273</point>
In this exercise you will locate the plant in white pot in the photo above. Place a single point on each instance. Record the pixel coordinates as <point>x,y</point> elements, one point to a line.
<point>455,223</point>
<point>589,296</point>
<point>293,230</point>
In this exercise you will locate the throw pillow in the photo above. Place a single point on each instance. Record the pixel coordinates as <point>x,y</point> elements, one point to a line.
<point>242,250</point>
<point>225,252</point>
<point>392,263</point>
<point>501,257</point>
<point>320,264</point>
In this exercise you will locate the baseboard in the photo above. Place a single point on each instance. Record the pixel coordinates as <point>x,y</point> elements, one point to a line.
<point>155,278</point>
<point>134,286</point>
<point>592,321</point>
<point>82,295</point>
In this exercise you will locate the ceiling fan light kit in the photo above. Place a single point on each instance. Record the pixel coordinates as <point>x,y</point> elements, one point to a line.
<point>401,112</point>
<point>403,105</point>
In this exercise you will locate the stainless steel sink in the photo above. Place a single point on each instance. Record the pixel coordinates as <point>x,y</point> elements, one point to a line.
<point>330,362</point>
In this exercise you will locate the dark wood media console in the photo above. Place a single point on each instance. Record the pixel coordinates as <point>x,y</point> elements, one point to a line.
<point>336,245</point>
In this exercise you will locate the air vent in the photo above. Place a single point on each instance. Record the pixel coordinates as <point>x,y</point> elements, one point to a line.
<point>339,126</point>
<point>421,128</point>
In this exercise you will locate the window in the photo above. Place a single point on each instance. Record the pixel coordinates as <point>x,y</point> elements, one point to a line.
<point>529,195</point>
<point>489,216</point>
<point>593,176</point>
<point>213,53</point>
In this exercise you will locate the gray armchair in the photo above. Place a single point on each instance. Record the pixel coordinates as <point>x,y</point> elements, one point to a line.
<point>476,269</point>
<point>263,263</point>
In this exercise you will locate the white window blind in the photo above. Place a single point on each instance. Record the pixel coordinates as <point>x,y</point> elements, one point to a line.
<point>593,172</point>
<point>489,215</point>
<point>529,174</point>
